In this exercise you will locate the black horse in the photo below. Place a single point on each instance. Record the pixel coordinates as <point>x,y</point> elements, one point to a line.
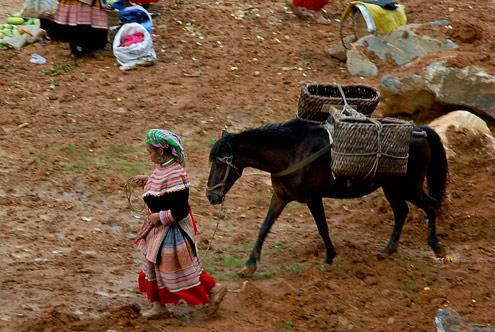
<point>275,148</point>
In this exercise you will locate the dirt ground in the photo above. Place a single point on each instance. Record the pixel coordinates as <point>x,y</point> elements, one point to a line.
<point>71,133</point>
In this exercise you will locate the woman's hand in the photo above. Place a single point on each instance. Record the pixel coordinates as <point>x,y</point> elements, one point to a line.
<point>154,219</point>
<point>139,180</point>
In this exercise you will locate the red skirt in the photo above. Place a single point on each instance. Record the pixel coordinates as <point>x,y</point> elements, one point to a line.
<point>194,296</point>
<point>310,4</point>
<point>145,2</point>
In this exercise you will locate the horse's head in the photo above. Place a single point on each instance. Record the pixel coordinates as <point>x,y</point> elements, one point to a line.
<point>223,172</point>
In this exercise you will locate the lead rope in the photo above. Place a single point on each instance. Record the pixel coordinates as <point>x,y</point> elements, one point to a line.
<point>128,194</point>
<point>210,241</point>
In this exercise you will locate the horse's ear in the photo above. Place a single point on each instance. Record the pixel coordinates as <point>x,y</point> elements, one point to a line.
<point>224,132</point>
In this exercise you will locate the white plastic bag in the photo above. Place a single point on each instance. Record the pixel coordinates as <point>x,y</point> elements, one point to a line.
<point>40,8</point>
<point>137,54</point>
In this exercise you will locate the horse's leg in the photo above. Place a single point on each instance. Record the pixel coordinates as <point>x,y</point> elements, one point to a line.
<point>400,209</point>
<point>428,204</point>
<point>277,205</point>
<point>318,212</point>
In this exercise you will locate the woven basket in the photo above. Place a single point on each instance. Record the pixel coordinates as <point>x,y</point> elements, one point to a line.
<point>361,149</point>
<point>314,96</point>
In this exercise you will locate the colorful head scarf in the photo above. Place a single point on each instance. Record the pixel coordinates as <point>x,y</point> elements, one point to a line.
<point>166,139</point>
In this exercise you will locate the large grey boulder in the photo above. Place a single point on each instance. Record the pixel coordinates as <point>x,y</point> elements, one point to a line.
<point>438,89</point>
<point>403,45</point>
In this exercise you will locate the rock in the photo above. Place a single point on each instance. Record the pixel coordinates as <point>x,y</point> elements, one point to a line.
<point>401,46</point>
<point>406,96</point>
<point>469,86</point>
<point>439,88</point>
<point>461,121</point>
<point>338,51</point>
<point>449,321</point>
<point>359,65</point>
<point>344,324</point>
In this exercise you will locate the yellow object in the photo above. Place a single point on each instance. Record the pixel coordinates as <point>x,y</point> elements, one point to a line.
<point>385,20</point>
<point>15,20</point>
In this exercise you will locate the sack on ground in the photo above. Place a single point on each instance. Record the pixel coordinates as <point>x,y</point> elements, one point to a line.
<point>134,54</point>
<point>40,8</point>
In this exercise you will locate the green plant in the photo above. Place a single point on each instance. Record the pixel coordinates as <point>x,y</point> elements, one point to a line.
<point>410,286</point>
<point>292,268</point>
<point>57,70</point>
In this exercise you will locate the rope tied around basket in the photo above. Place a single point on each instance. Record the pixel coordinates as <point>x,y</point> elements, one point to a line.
<point>348,112</point>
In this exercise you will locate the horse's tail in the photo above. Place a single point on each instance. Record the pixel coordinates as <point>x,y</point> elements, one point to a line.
<point>438,168</point>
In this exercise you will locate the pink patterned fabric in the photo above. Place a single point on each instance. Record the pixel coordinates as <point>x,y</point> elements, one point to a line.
<point>73,13</point>
<point>166,180</point>
<point>166,218</point>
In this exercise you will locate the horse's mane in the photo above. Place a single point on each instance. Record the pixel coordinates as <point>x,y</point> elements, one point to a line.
<point>278,134</point>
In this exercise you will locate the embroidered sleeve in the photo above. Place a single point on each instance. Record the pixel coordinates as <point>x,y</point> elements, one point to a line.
<point>166,218</point>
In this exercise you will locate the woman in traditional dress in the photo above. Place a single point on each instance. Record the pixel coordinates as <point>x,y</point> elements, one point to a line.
<point>84,24</point>
<point>315,6</point>
<point>144,3</point>
<point>171,266</point>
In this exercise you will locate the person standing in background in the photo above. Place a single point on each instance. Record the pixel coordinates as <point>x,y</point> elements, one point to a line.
<point>84,24</point>
<point>315,6</point>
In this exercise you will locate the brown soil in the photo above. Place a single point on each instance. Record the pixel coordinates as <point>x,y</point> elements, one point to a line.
<point>71,134</point>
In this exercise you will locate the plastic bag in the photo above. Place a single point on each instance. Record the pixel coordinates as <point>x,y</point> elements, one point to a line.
<point>139,54</point>
<point>40,8</point>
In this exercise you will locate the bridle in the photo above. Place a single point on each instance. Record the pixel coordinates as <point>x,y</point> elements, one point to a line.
<point>227,160</point>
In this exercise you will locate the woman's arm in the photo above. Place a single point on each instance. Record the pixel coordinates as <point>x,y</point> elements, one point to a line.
<point>179,208</point>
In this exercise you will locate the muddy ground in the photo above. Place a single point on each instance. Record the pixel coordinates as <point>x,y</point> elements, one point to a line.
<point>71,133</point>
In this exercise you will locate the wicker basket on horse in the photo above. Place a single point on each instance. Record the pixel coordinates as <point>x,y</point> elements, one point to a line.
<point>314,96</point>
<point>364,148</point>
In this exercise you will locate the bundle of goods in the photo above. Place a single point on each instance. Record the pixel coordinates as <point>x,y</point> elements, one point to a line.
<point>137,14</point>
<point>19,31</point>
<point>314,96</point>
<point>133,46</point>
<point>371,17</point>
<point>364,147</point>
<point>40,8</point>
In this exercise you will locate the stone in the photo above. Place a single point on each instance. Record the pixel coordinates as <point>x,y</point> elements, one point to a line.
<point>401,46</point>
<point>405,96</point>
<point>359,65</point>
<point>461,121</point>
<point>338,51</point>
<point>437,89</point>
<point>469,86</point>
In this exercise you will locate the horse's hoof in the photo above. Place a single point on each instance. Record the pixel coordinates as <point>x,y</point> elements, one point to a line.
<point>390,250</point>
<point>440,251</point>
<point>247,271</point>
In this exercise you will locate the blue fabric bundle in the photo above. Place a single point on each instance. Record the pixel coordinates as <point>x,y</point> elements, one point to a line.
<point>137,14</point>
